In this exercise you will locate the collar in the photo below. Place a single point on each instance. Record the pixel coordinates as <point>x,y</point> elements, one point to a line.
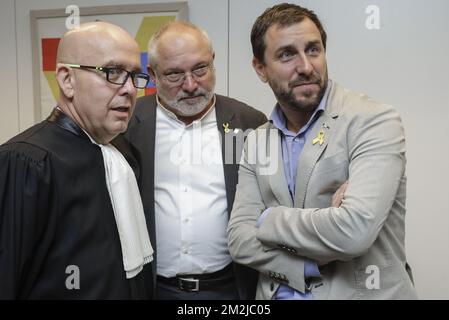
<point>65,122</point>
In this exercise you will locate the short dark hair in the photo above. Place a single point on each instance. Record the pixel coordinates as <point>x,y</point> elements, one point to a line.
<point>285,15</point>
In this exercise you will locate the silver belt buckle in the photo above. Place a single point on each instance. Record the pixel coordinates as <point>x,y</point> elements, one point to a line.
<point>195,282</point>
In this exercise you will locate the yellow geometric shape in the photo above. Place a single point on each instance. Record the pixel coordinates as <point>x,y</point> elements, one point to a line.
<point>52,83</point>
<point>148,27</point>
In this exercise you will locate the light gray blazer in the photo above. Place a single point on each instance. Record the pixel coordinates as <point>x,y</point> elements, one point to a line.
<point>360,245</point>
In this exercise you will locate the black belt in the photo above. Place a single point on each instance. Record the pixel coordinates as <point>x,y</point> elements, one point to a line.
<point>200,282</point>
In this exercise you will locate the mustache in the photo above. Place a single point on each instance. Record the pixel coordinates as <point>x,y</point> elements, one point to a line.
<point>302,79</point>
<point>197,92</point>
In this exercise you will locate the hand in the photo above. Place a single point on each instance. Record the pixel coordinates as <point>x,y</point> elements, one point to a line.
<point>339,195</point>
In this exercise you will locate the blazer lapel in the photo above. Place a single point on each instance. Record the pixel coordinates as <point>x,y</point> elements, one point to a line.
<point>278,181</point>
<point>226,120</point>
<point>143,136</point>
<point>312,151</point>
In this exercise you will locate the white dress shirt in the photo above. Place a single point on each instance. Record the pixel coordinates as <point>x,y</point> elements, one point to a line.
<point>190,196</point>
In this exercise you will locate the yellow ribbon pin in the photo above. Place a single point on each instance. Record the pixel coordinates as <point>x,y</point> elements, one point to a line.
<point>226,127</point>
<point>319,138</point>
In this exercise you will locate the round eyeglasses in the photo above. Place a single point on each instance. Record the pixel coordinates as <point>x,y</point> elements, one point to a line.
<point>178,78</point>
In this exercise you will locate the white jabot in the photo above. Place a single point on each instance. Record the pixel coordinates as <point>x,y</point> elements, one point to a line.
<point>190,196</point>
<point>128,210</point>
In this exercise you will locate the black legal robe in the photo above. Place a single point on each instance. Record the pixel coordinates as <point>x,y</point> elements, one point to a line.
<point>56,217</point>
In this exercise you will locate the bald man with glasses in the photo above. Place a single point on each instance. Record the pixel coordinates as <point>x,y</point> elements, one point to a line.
<point>72,224</point>
<point>188,170</point>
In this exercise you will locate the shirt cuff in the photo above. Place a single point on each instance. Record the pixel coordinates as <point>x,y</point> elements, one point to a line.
<point>311,269</point>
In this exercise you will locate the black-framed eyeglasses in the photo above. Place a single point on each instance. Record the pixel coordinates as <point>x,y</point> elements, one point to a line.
<point>117,75</point>
<point>179,77</point>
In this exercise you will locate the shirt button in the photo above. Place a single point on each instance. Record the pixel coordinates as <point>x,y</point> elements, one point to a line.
<point>186,220</point>
<point>185,251</point>
<point>185,189</point>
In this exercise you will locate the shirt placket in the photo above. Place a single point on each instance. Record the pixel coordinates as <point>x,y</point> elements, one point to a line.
<point>186,195</point>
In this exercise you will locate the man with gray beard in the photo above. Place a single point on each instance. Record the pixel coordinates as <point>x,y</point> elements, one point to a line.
<point>187,181</point>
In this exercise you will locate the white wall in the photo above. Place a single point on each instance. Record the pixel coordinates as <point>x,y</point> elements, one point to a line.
<point>404,63</point>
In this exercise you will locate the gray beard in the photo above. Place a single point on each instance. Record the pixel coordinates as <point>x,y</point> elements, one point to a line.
<point>188,110</point>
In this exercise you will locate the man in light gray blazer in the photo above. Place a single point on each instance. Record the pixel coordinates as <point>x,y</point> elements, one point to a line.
<point>320,136</point>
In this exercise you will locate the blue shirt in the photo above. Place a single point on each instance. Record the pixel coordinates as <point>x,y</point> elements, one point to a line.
<point>292,146</point>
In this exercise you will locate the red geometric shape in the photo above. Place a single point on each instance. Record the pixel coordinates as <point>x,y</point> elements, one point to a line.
<point>49,52</point>
<point>149,91</point>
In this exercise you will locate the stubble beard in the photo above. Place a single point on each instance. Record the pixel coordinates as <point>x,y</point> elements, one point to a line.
<point>307,102</point>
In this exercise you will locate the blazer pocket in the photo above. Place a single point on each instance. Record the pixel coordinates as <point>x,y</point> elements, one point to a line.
<point>375,282</point>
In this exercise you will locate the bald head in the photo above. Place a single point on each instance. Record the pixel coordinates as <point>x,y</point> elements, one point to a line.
<point>97,104</point>
<point>90,41</point>
<point>175,33</point>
